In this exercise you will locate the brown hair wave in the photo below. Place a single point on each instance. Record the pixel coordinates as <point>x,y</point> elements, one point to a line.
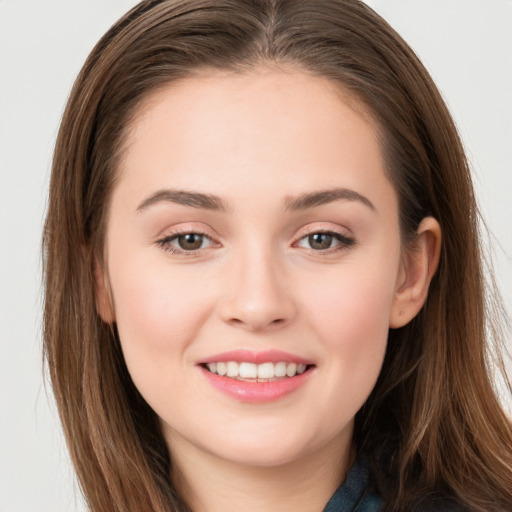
<point>432,427</point>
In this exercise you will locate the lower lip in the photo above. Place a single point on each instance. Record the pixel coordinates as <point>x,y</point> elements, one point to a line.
<point>256,392</point>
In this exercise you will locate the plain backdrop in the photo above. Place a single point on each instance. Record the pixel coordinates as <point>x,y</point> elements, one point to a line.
<point>466,45</point>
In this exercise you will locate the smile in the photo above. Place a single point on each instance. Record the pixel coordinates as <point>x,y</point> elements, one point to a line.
<point>251,372</point>
<point>258,377</point>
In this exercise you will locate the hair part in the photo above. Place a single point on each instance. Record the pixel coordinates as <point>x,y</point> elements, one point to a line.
<point>433,425</point>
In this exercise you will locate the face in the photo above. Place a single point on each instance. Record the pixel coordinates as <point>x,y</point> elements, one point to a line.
<point>253,233</point>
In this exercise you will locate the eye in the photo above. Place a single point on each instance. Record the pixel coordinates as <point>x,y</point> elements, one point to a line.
<point>182,243</point>
<point>190,241</point>
<point>325,241</point>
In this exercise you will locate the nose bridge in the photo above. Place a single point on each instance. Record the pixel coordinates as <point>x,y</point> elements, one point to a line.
<point>257,297</point>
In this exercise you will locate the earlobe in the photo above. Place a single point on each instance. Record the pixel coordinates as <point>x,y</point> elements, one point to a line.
<point>419,265</point>
<point>104,304</point>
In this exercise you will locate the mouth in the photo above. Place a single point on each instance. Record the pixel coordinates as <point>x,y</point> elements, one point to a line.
<point>251,372</point>
<point>257,376</point>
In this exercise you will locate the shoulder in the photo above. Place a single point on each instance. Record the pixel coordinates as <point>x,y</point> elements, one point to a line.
<point>358,494</point>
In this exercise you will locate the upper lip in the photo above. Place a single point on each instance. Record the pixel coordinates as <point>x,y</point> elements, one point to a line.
<point>249,356</point>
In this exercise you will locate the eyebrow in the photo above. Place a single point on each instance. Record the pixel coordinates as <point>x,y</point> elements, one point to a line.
<point>321,197</point>
<point>184,197</point>
<point>215,203</point>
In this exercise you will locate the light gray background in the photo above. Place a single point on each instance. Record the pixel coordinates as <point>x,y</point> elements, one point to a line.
<point>466,45</point>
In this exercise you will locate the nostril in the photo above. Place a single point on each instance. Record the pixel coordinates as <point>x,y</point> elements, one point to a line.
<point>256,324</point>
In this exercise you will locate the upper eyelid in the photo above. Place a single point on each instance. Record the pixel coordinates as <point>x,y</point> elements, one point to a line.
<point>170,232</point>
<point>315,228</point>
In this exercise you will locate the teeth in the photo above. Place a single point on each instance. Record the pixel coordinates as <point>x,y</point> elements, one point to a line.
<point>256,372</point>
<point>280,370</point>
<point>266,371</point>
<point>221,368</point>
<point>232,369</point>
<point>248,371</point>
<point>291,369</point>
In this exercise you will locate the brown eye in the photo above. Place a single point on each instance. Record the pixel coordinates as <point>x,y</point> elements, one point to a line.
<point>325,241</point>
<point>320,241</point>
<point>190,241</point>
<point>186,244</point>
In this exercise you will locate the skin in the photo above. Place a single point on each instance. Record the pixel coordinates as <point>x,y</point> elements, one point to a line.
<point>257,141</point>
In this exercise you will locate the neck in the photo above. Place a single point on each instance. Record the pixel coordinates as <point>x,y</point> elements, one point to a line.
<point>210,484</point>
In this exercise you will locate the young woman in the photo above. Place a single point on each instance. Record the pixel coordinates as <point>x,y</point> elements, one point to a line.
<point>264,284</point>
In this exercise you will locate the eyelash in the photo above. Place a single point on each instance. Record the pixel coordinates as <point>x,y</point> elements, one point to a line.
<point>165,243</point>
<point>344,242</point>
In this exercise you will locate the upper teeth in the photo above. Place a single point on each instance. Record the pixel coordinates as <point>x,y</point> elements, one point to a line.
<point>244,370</point>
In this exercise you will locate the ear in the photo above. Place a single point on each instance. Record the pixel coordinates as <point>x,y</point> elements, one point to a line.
<point>418,266</point>
<point>104,303</point>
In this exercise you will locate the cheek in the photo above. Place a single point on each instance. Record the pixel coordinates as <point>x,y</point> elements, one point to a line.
<point>353,305</point>
<point>158,314</point>
<point>156,309</point>
<point>351,318</point>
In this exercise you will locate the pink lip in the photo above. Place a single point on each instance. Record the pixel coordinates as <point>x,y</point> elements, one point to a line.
<point>267,356</point>
<point>256,392</point>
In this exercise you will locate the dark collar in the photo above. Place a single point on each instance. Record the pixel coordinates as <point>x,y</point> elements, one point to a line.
<point>355,495</point>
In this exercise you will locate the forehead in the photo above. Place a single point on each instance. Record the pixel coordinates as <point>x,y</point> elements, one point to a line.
<point>216,130</point>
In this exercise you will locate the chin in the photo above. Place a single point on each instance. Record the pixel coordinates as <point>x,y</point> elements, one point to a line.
<point>270,446</point>
<point>258,456</point>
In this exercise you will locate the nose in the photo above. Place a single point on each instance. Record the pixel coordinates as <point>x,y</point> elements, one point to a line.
<point>258,295</point>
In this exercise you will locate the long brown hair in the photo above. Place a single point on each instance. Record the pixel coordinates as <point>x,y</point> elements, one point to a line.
<point>433,426</point>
